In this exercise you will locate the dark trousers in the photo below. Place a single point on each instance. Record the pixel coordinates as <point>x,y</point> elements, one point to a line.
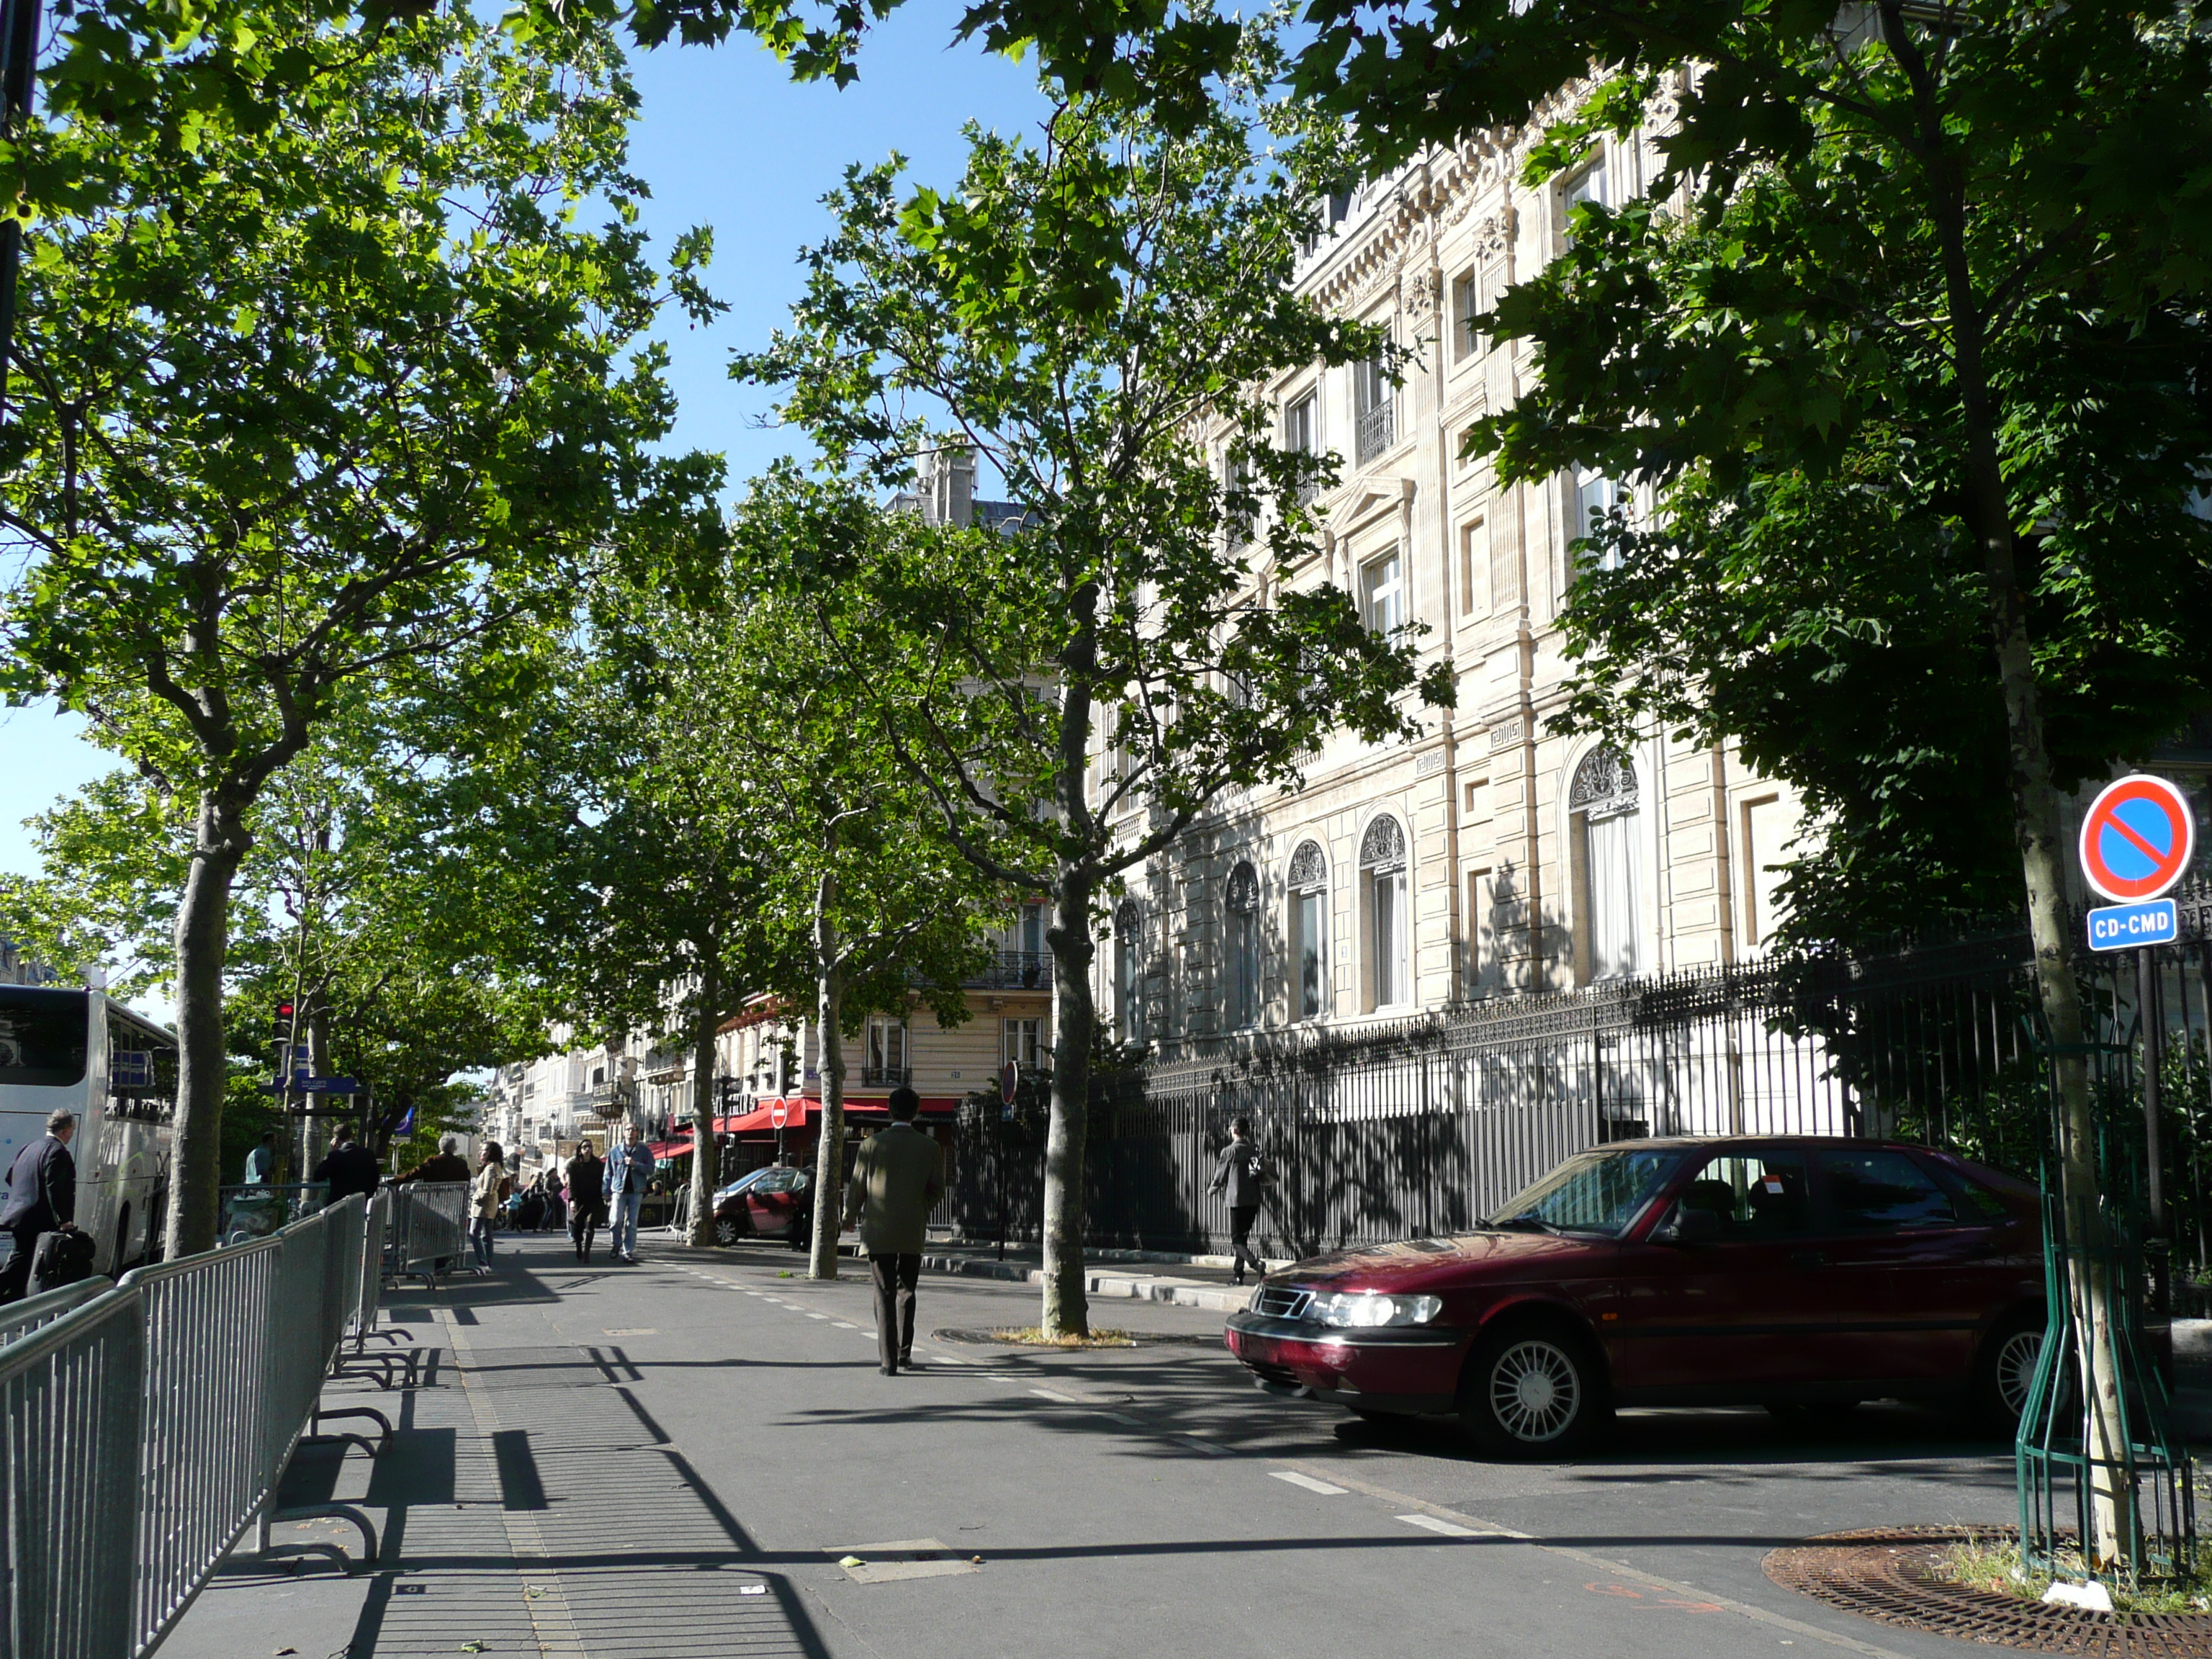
<point>1241,1217</point>
<point>896,1277</point>
<point>15,1277</point>
<point>583,1222</point>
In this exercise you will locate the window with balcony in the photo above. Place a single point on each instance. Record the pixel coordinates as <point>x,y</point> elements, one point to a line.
<point>1240,903</point>
<point>1382,898</point>
<point>1375,409</point>
<point>1383,593</point>
<point>887,1063</point>
<point>1301,437</point>
<point>1309,931</point>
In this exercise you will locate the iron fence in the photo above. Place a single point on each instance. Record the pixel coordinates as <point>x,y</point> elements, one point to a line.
<point>1425,1125</point>
<point>427,1229</point>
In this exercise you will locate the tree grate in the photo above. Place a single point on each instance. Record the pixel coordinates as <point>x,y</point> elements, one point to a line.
<point>1889,1573</point>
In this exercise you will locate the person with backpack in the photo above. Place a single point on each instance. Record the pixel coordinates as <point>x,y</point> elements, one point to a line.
<point>1244,1176</point>
<point>42,1199</point>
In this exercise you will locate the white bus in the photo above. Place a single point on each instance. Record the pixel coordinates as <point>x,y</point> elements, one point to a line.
<point>117,1071</point>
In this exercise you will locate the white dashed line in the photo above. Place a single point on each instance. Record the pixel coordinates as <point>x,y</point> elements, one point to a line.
<point>1309,1483</point>
<point>842,1326</point>
<point>1436,1523</point>
<point>1211,1451</point>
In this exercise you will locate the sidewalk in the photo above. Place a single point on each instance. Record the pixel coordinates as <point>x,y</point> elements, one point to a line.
<point>1203,1281</point>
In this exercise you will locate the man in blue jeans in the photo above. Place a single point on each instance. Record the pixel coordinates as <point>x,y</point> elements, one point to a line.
<point>630,1166</point>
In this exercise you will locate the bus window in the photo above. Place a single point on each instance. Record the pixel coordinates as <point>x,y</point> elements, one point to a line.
<point>42,1036</point>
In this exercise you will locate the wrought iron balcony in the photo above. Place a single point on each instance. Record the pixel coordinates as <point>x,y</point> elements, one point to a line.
<point>1377,431</point>
<point>885,1076</point>
<point>1014,970</point>
<point>608,1099</point>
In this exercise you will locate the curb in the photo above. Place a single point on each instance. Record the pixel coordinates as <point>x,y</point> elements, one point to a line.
<point>1143,1287</point>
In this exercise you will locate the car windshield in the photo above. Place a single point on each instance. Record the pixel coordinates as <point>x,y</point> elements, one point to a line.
<point>743,1183</point>
<point>1598,1193</point>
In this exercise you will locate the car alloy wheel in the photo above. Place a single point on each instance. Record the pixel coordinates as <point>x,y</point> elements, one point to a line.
<point>725,1231</point>
<point>2014,1369</point>
<point>1536,1391</point>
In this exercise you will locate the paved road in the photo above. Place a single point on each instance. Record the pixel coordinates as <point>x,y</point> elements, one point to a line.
<point>669,1460</point>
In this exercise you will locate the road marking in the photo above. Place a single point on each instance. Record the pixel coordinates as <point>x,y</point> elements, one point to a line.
<point>1064,1399</point>
<point>1434,1523</point>
<point>1308,1482</point>
<point>1620,1570</point>
<point>842,1326</point>
<point>1211,1451</point>
<point>816,1315</point>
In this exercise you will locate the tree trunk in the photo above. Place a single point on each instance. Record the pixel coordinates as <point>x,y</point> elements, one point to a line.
<point>829,1149</point>
<point>2090,1292</point>
<point>202,940</point>
<point>706,1150</point>
<point>1074,1018</point>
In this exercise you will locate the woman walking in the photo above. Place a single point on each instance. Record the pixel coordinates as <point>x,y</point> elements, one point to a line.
<point>588,1204</point>
<point>483,1199</point>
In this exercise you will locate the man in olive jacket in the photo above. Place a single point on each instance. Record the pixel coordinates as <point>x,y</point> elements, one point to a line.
<point>898,1177</point>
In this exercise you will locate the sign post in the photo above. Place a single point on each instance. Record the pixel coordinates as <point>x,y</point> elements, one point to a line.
<point>2136,842</point>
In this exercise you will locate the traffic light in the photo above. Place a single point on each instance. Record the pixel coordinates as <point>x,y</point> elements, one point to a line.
<point>281,1029</point>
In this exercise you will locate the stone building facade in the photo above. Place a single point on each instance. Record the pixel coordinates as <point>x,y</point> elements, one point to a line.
<point>1490,857</point>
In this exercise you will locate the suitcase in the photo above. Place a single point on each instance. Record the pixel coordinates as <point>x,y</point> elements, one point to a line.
<point>59,1259</point>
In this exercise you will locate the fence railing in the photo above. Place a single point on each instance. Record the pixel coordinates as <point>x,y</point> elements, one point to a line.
<point>148,1425</point>
<point>1425,1124</point>
<point>427,1229</point>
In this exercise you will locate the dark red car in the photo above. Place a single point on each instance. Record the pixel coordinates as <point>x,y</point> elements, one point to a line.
<point>771,1203</point>
<point>1781,1271</point>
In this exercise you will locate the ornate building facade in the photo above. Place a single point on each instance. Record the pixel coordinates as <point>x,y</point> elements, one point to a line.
<point>1491,856</point>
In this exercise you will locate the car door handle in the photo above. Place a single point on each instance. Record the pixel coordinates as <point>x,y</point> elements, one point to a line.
<point>1809,1258</point>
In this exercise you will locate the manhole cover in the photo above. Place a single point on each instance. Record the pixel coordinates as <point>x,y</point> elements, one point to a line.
<point>1889,1573</point>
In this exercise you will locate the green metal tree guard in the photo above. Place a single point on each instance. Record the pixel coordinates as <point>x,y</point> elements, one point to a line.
<point>2056,1474</point>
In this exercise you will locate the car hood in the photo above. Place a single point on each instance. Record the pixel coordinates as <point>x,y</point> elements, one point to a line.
<point>1417,1264</point>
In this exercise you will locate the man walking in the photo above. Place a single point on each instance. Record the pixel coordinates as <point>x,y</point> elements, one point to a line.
<point>41,1198</point>
<point>445,1165</point>
<point>898,1177</point>
<point>629,1168</point>
<point>1242,1175</point>
<point>349,1168</point>
<point>261,1162</point>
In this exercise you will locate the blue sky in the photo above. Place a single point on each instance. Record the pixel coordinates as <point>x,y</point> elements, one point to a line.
<point>724,139</point>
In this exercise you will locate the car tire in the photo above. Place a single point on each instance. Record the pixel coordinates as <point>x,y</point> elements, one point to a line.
<point>2007,1370</point>
<point>725,1231</point>
<point>1533,1391</point>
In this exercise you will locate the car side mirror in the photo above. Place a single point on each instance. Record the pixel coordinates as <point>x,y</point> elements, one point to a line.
<point>1687,1227</point>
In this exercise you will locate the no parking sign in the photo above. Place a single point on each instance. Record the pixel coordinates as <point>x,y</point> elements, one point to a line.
<point>2137,842</point>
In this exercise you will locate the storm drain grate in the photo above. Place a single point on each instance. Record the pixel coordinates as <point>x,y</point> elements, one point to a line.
<point>1889,1573</point>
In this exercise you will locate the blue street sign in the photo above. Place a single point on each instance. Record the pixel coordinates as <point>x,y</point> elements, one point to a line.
<point>329,1085</point>
<point>2125,927</point>
<point>130,1068</point>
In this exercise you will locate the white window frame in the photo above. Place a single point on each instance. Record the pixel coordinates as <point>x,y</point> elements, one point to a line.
<point>885,1033</point>
<point>1382,604</point>
<point>1022,1041</point>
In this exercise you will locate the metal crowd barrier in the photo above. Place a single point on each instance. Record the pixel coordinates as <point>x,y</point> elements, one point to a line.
<point>428,1229</point>
<point>20,1318</point>
<point>148,1425</point>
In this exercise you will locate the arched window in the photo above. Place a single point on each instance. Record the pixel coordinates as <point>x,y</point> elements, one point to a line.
<point>1129,973</point>
<point>1308,919</point>
<point>1382,903</point>
<point>1602,803</point>
<point>1242,905</point>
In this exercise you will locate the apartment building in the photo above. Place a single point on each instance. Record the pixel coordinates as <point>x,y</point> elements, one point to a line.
<point>1491,856</point>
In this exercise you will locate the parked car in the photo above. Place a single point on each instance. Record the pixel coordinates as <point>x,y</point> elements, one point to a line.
<point>1787,1271</point>
<point>766,1203</point>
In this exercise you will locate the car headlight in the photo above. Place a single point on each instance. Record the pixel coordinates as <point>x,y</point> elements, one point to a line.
<point>1367,1308</point>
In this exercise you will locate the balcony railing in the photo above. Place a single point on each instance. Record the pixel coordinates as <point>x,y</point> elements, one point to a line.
<point>1015,970</point>
<point>1377,431</point>
<point>608,1099</point>
<point>885,1076</point>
